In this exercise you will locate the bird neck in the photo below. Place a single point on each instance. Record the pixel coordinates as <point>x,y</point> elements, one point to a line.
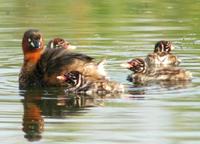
<point>31,59</point>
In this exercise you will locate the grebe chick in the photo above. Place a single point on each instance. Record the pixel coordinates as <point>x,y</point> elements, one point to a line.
<point>162,55</point>
<point>143,73</point>
<point>79,83</point>
<point>60,43</point>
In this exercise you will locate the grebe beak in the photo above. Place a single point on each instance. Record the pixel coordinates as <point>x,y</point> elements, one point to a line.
<point>34,43</point>
<point>172,47</point>
<point>126,65</point>
<point>71,47</point>
<point>61,78</point>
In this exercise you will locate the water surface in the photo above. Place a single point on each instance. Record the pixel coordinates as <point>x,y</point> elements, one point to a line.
<point>113,30</point>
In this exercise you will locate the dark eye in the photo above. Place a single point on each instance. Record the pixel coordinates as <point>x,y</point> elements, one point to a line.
<point>167,49</point>
<point>72,76</point>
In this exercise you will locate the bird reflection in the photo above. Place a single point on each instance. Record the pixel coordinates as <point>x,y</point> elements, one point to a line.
<point>141,90</point>
<point>175,84</point>
<point>33,122</point>
<point>56,103</point>
<point>165,84</point>
<point>39,104</point>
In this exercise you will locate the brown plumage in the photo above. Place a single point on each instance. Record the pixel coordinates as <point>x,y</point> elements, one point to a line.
<point>60,43</point>
<point>42,66</point>
<point>162,55</point>
<point>143,73</point>
<point>78,83</point>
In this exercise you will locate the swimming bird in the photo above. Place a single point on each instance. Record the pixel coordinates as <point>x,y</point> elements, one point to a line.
<point>77,82</point>
<point>42,67</point>
<point>143,73</point>
<point>162,55</point>
<point>60,43</point>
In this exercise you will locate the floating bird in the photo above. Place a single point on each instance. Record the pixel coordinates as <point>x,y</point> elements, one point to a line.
<point>60,43</point>
<point>162,55</point>
<point>143,73</point>
<point>42,67</point>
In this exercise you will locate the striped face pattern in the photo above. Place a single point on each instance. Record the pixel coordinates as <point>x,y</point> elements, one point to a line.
<point>163,46</point>
<point>58,43</point>
<point>74,78</point>
<point>137,65</point>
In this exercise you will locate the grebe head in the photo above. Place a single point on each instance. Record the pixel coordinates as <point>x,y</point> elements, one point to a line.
<point>32,41</point>
<point>163,46</point>
<point>136,65</point>
<point>73,78</point>
<point>60,43</point>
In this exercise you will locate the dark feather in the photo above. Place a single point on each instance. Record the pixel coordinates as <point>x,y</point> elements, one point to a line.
<point>53,60</point>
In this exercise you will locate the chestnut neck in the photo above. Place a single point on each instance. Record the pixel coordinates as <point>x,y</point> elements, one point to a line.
<point>31,57</point>
<point>30,61</point>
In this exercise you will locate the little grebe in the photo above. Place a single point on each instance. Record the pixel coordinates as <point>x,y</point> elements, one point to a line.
<point>162,55</point>
<point>60,43</point>
<point>143,73</point>
<point>78,83</point>
<point>42,66</point>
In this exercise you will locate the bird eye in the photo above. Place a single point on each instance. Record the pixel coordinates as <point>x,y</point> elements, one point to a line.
<point>73,77</point>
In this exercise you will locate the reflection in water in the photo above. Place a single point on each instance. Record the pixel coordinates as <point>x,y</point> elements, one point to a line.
<point>175,84</point>
<point>55,104</point>
<point>117,31</point>
<point>164,84</point>
<point>33,122</point>
<point>142,90</point>
<point>37,104</point>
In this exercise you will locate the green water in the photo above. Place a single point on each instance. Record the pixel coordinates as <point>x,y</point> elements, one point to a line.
<point>116,30</point>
